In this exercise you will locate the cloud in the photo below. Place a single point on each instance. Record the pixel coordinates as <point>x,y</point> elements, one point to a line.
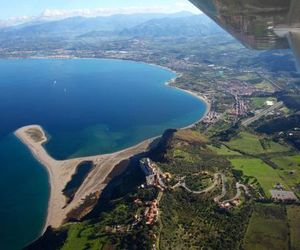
<point>15,21</point>
<point>57,14</point>
<point>62,13</point>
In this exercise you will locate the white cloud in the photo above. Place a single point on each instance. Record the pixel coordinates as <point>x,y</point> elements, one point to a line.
<point>176,7</point>
<point>15,21</point>
<point>56,14</point>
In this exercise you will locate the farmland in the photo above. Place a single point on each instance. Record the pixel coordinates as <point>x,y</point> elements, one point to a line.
<point>253,144</point>
<point>223,150</point>
<point>268,228</point>
<point>293,213</point>
<point>253,167</point>
<point>289,170</point>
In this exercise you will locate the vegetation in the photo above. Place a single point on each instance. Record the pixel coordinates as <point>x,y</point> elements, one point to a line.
<point>291,100</point>
<point>293,214</point>
<point>223,150</point>
<point>253,144</point>
<point>268,228</point>
<point>259,156</point>
<point>288,168</point>
<point>191,222</point>
<point>260,102</point>
<point>256,168</point>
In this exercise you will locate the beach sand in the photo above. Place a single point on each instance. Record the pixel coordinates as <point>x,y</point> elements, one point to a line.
<point>190,92</point>
<point>61,172</point>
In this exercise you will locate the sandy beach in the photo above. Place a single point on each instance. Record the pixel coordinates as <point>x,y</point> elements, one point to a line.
<point>61,172</point>
<point>197,95</point>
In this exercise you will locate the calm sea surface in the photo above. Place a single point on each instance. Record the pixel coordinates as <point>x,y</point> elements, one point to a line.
<point>87,107</point>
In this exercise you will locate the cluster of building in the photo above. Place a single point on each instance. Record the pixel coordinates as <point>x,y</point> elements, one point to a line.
<point>153,175</point>
<point>278,194</point>
<point>117,229</point>
<point>230,204</point>
<point>236,87</point>
<point>211,118</point>
<point>240,108</point>
<point>283,196</point>
<point>151,212</point>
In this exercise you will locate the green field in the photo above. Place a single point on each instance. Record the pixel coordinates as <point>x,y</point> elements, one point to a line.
<point>253,144</point>
<point>268,229</point>
<point>289,170</point>
<point>265,85</point>
<point>79,238</point>
<point>223,150</point>
<point>260,102</point>
<point>293,213</point>
<point>181,154</point>
<point>253,167</point>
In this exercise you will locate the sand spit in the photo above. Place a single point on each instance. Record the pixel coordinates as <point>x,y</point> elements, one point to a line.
<point>61,172</point>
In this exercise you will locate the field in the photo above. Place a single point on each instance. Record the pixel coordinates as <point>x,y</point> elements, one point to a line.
<point>252,144</point>
<point>223,150</point>
<point>260,102</point>
<point>181,154</point>
<point>268,229</point>
<point>264,85</point>
<point>78,238</point>
<point>289,170</point>
<point>253,167</point>
<point>293,213</point>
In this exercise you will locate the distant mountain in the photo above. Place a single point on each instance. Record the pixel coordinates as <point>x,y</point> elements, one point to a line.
<point>76,26</point>
<point>192,25</point>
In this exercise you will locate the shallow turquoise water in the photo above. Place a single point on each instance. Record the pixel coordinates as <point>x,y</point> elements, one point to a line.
<point>87,107</point>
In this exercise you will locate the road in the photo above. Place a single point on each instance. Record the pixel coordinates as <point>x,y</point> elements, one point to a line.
<point>182,184</point>
<point>270,81</point>
<point>238,192</point>
<point>221,196</point>
<point>264,112</point>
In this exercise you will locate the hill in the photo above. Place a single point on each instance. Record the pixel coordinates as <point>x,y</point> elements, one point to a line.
<point>194,25</point>
<point>135,25</point>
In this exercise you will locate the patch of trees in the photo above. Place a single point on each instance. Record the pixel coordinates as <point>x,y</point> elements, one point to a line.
<point>292,101</point>
<point>228,134</point>
<point>280,124</point>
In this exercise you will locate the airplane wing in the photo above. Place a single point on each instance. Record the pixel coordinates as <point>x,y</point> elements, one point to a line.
<point>258,24</point>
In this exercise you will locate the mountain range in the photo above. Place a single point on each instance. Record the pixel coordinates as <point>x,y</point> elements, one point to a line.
<point>134,25</point>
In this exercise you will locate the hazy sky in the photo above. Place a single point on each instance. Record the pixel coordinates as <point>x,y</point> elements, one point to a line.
<point>18,8</point>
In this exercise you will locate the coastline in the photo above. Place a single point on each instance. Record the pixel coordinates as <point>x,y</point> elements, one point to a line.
<point>194,94</point>
<point>177,75</point>
<point>60,172</point>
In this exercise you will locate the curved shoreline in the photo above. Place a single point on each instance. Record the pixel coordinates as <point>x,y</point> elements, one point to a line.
<point>61,172</point>
<point>177,75</point>
<point>68,167</point>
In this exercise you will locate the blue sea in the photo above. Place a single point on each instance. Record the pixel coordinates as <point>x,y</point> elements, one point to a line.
<point>87,107</point>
